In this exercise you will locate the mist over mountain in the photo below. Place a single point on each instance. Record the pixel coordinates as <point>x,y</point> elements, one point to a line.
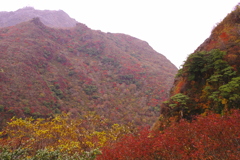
<point>44,70</point>
<point>58,19</point>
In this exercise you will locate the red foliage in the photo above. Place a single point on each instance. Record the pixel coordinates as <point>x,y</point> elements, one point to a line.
<point>178,87</point>
<point>45,69</point>
<point>207,137</point>
<point>224,36</point>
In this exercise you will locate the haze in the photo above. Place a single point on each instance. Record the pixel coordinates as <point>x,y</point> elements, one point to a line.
<point>173,28</point>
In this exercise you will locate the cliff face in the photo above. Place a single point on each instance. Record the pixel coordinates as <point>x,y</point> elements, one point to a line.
<point>210,78</point>
<point>58,19</point>
<point>44,71</point>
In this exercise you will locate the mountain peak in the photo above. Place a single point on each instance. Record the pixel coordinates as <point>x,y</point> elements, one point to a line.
<point>26,9</point>
<point>57,19</point>
<point>37,21</point>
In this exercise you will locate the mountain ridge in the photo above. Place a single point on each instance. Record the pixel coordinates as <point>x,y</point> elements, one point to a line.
<point>47,70</point>
<point>58,19</point>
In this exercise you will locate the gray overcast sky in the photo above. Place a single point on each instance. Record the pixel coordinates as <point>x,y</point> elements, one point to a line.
<point>174,28</point>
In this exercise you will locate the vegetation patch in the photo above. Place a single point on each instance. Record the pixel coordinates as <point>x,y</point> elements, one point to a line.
<point>90,89</point>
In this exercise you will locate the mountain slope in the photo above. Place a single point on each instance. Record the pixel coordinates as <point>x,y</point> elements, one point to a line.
<point>210,77</point>
<point>45,70</point>
<point>57,19</point>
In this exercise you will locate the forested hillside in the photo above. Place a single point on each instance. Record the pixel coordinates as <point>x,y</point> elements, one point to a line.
<point>210,77</point>
<point>45,71</point>
<point>74,91</point>
<point>66,93</point>
<point>200,120</point>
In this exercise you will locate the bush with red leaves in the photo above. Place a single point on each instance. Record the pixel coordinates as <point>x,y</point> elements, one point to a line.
<point>207,137</point>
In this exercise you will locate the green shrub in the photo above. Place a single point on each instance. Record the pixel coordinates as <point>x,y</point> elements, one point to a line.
<point>61,59</point>
<point>17,154</point>
<point>26,110</point>
<point>71,73</point>
<point>56,89</point>
<point>45,154</point>
<point>10,111</point>
<point>95,97</point>
<point>110,61</point>
<point>92,51</point>
<point>127,79</point>
<point>46,54</point>
<point>1,108</point>
<point>90,89</point>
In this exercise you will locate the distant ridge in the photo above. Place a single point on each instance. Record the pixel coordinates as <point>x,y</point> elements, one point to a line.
<point>58,19</point>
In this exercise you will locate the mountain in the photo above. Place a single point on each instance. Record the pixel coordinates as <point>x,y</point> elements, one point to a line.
<point>210,77</point>
<point>49,18</point>
<point>45,70</point>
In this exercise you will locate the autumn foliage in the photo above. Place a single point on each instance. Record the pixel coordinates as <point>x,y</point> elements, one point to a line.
<point>61,132</point>
<point>209,78</point>
<point>206,137</point>
<point>44,71</point>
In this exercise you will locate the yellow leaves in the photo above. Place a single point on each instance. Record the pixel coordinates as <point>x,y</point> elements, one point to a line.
<point>204,114</point>
<point>101,137</point>
<point>224,101</point>
<point>46,132</point>
<point>57,118</point>
<point>89,144</point>
<point>64,133</point>
<point>41,133</point>
<point>42,95</point>
<point>68,146</point>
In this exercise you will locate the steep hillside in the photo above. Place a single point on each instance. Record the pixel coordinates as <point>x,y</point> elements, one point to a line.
<point>210,78</point>
<point>45,71</point>
<point>50,18</point>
